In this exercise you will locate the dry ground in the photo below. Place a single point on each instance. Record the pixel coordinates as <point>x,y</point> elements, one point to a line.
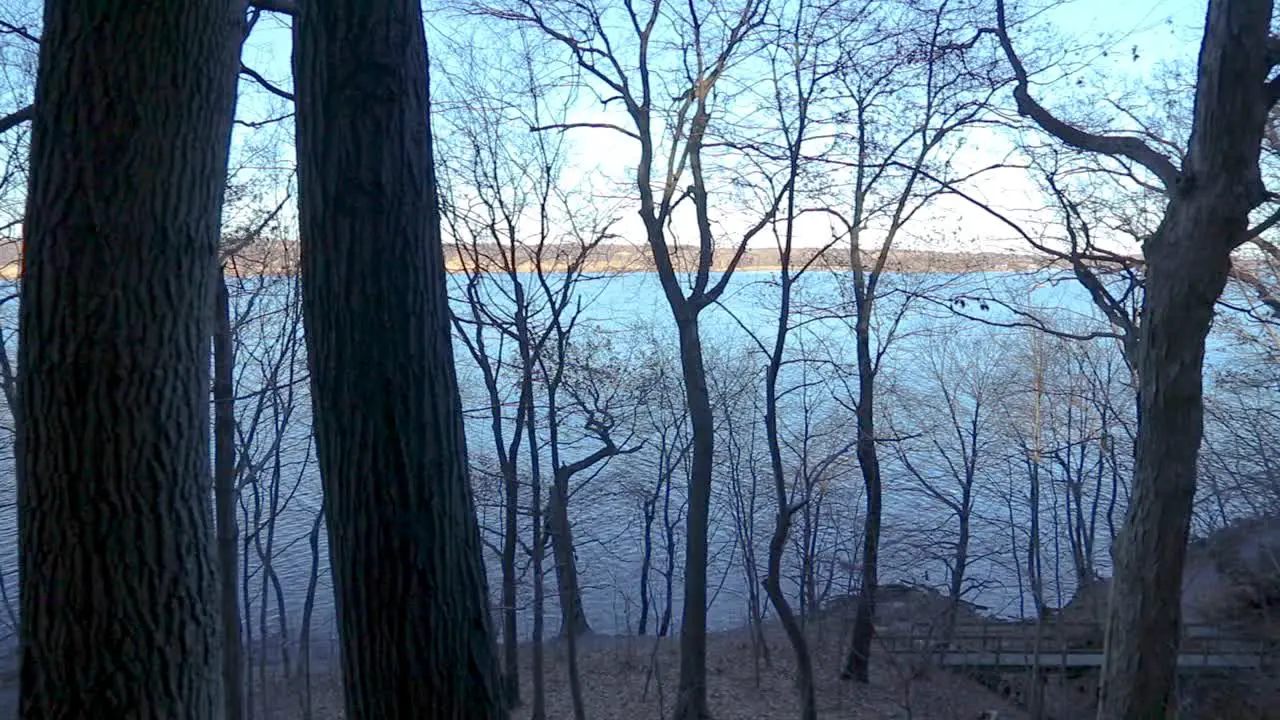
<point>619,685</point>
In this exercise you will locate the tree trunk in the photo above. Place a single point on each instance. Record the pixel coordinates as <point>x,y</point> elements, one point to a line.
<point>1188,260</point>
<point>225,496</point>
<point>858,662</point>
<point>1035,573</point>
<point>129,145</point>
<point>538,671</point>
<point>1143,628</point>
<point>782,523</point>
<point>691,702</point>
<point>669,572</point>
<point>308,609</point>
<point>960,564</point>
<point>646,557</point>
<point>510,538</point>
<point>404,544</point>
<point>572,618</point>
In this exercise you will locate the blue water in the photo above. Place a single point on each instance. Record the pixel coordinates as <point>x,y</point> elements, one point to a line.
<point>936,359</point>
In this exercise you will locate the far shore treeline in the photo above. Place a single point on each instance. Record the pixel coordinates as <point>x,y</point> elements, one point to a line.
<point>260,259</point>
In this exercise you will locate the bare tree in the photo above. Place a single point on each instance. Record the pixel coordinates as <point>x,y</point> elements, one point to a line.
<point>664,422</point>
<point>912,85</point>
<point>799,67</point>
<point>525,245</point>
<point>947,430</point>
<point>1211,194</point>
<point>597,35</point>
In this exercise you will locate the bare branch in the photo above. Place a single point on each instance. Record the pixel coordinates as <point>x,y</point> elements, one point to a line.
<point>569,126</point>
<point>285,7</point>
<point>11,29</point>
<point>1263,226</point>
<point>256,124</point>
<point>1268,247</point>
<point>1266,294</point>
<point>15,119</point>
<point>265,83</point>
<point>1113,145</point>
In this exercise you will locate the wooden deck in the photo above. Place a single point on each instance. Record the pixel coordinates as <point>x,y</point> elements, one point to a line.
<point>1009,647</point>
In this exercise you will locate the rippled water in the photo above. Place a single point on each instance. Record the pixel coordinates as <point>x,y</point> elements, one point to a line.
<point>608,524</point>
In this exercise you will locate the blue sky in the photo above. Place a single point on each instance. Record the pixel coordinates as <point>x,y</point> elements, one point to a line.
<point>1125,41</point>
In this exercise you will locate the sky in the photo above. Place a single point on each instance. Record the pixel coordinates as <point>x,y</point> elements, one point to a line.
<point>1140,35</point>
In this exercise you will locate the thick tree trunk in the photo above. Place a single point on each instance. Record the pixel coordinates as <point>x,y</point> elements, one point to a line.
<point>1145,609</point>
<point>691,702</point>
<point>225,496</point>
<point>1188,260</point>
<point>572,618</point>
<point>129,147</point>
<point>404,543</point>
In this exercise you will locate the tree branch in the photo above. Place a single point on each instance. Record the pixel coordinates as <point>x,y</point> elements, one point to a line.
<point>266,84</point>
<point>285,7</point>
<point>1113,145</point>
<point>1268,247</point>
<point>1266,295</point>
<point>11,29</point>
<point>599,126</point>
<point>15,118</point>
<point>1263,226</point>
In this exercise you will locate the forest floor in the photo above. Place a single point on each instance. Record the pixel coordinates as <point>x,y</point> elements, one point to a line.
<point>634,678</point>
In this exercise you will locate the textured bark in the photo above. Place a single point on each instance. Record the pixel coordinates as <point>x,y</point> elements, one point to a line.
<point>691,704</point>
<point>573,621</point>
<point>130,137</point>
<point>225,496</point>
<point>1187,266</point>
<point>404,543</point>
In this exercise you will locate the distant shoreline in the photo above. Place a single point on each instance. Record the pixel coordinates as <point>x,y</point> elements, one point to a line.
<point>620,259</point>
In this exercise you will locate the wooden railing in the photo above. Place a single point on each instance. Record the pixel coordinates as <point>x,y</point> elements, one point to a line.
<point>1064,646</point>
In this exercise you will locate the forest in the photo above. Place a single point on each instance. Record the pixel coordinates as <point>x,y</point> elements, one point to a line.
<point>636,358</point>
